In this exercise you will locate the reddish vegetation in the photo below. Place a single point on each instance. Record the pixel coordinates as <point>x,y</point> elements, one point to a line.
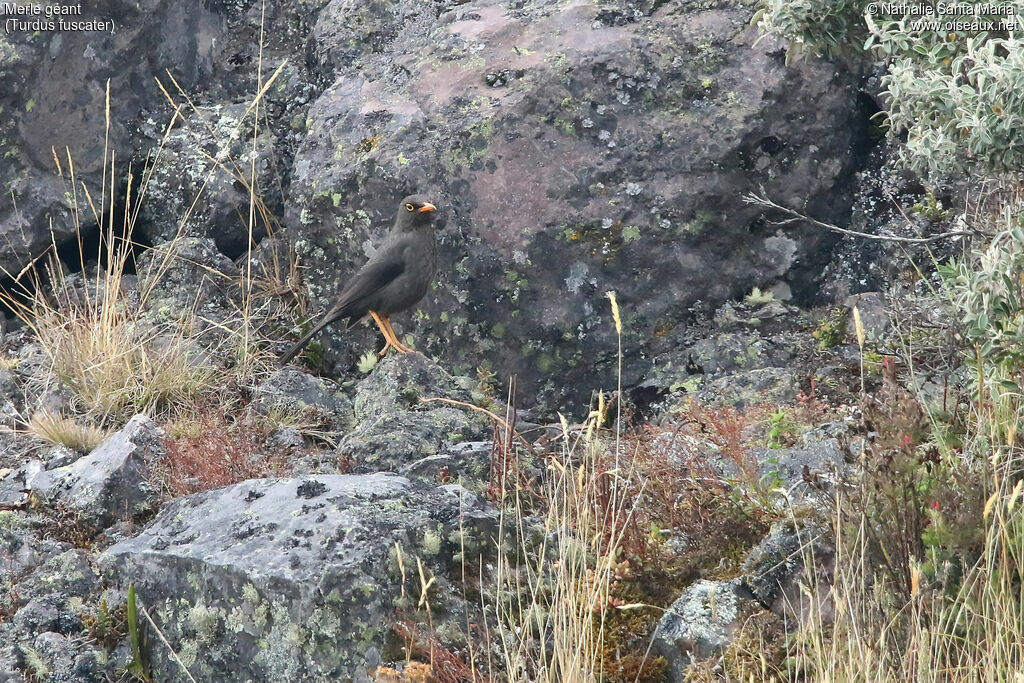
<point>222,453</point>
<point>444,666</point>
<point>678,480</point>
<point>506,472</point>
<point>725,427</point>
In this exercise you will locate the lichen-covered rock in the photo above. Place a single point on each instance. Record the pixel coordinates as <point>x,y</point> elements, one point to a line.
<point>701,623</point>
<point>9,672</point>
<point>51,612</point>
<point>734,351</point>
<point>16,484</point>
<point>468,462</point>
<point>188,275</point>
<point>70,573</point>
<point>44,635</point>
<point>53,656</point>
<point>195,189</point>
<point>52,590</point>
<point>812,466</point>
<point>576,149</point>
<point>753,387</point>
<point>23,551</point>
<point>753,352</point>
<point>65,660</point>
<point>773,569</point>
<point>10,391</point>
<point>299,395</point>
<point>395,426</point>
<point>295,579</point>
<point>111,483</point>
<point>54,96</point>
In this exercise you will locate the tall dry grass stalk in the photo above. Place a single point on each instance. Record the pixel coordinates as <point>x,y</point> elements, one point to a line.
<point>979,635</point>
<point>870,631</point>
<point>553,578</point>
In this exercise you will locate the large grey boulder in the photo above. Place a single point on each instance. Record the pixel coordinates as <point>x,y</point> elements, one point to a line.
<point>294,579</point>
<point>575,147</point>
<point>112,482</point>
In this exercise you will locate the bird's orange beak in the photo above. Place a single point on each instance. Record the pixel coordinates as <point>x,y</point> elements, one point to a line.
<point>426,207</point>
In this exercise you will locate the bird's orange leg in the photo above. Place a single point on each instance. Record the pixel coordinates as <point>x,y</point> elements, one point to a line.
<point>385,329</point>
<point>398,345</point>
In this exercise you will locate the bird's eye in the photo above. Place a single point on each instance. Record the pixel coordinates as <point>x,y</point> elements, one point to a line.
<point>410,207</point>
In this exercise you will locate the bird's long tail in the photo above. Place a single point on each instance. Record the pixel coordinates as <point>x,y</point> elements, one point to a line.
<point>301,344</point>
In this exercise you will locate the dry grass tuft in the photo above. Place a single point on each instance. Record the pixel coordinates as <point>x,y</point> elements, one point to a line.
<point>552,587</point>
<point>93,327</point>
<point>117,365</point>
<point>65,431</point>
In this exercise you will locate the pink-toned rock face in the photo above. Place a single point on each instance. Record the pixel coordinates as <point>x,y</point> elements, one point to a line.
<point>574,148</point>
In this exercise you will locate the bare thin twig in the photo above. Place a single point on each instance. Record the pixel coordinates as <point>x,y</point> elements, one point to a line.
<point>761,200</point>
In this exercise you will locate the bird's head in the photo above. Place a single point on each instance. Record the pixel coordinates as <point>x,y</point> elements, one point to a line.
<point>414,213</point>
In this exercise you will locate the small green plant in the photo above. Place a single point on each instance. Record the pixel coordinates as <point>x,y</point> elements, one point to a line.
<point>782,430</point>
<point>35,665</point>
<point>989,289</point>
<point>932,209</point>
<point>367,362</point>
<point>872,362</point>
<point>136,667</point>
<point>758,297</point>
<point>105,626</point>
<point>954,81</point>
<point>831,331</point>
<point>814,25</point>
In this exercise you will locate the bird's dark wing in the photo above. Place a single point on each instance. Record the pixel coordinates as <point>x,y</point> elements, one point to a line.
<point>354,300</point>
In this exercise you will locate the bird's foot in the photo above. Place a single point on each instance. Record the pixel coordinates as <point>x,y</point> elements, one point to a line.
<point>390,338</point>
<point>396,345</point>
<point>402,348</point>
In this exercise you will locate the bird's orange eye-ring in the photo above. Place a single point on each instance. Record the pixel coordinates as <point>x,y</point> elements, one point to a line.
<point>410,207</point>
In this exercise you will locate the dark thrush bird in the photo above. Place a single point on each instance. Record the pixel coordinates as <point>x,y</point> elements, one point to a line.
<point>394,279</point>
